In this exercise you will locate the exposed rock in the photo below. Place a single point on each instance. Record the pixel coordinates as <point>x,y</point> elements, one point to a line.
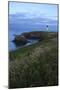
<point>36,35</point>
<point>20,40</point>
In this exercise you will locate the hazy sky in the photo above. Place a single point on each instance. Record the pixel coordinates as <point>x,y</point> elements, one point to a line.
<point>34,10</point>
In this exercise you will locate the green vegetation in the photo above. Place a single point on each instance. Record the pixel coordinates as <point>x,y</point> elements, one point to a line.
<point>35,65</point>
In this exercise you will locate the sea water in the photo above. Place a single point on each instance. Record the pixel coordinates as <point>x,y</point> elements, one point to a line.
<point>20,26</point>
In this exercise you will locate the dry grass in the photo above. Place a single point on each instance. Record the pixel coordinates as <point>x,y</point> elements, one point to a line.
<point>35,65</point>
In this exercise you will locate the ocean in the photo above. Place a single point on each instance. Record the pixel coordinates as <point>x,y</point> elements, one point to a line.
<point>18,26</point>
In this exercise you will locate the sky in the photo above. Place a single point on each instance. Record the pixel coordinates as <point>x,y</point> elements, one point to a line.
<point>32,10</point>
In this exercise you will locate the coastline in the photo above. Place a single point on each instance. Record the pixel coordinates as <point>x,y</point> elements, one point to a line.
<point>28,43</point>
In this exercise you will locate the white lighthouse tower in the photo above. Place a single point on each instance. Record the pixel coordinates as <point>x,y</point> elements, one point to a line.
<point>47,27</point>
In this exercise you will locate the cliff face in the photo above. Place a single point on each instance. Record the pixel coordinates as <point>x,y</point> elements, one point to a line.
<point>37,35</point>
<point>20,40</point>
<point>32,35</point>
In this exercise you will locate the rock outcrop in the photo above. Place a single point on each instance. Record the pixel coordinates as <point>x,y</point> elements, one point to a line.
<point>36,35</point>
<point>20,40</point>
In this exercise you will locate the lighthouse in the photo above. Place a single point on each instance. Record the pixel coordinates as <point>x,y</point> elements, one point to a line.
<point>47,27</point>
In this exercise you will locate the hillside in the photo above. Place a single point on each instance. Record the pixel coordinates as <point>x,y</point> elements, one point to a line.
<point>35,65</point>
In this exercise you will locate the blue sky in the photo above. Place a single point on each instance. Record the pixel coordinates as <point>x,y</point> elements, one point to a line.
<point>34,10</point>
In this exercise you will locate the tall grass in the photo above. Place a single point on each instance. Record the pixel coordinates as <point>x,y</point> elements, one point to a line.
<point>35,65</point>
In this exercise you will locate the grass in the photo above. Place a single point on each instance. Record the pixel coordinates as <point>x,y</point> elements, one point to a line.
<point>35,65</point>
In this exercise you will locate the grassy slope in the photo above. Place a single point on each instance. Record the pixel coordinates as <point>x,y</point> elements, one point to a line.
<point>35,65</point>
